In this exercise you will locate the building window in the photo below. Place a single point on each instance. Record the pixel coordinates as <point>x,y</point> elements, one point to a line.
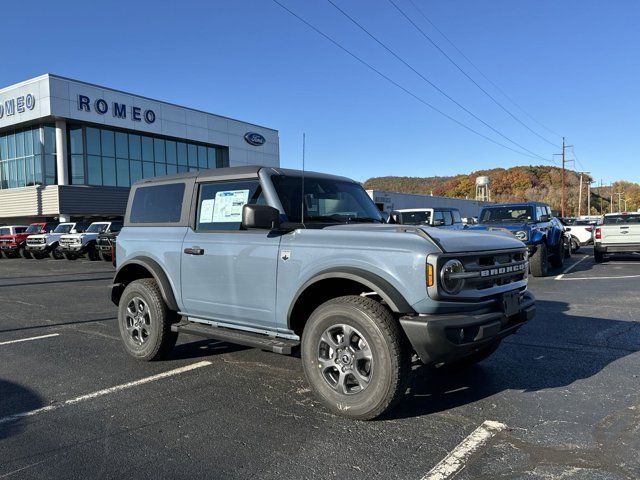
<point>27,157</point>
<point>103,156</point>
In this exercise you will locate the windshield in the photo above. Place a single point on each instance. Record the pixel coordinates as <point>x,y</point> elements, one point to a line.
<point>97,227</point>
<point>618,219</point>
<point>415,218</point>
<point>63,229</point>
<point>507,214</point>
<point>116,227</point>
<point>34,229</point>
<point>325,200</point>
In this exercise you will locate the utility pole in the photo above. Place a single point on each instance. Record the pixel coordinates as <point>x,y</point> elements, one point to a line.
<point>563,194</point>
<point>619,200</point>
<point>580,196</point>
<point>601,202</point>
<point>611,201</point>
<point>589,197</point>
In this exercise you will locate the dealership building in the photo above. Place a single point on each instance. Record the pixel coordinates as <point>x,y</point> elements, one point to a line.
<point>70,150</point>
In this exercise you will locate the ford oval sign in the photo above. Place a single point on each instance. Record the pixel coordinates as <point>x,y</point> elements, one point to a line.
<point>255,139</point>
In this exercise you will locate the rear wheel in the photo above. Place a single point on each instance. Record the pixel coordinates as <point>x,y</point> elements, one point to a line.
<point>557,259</point>
<point>355,357</point>
<point>598,256</point>
<point>575,245</point>
<point>539,262</point>
<point>92,253</point>
<point>145,321</point>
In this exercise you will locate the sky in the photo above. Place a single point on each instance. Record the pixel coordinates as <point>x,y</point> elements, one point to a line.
<point>571,67</point>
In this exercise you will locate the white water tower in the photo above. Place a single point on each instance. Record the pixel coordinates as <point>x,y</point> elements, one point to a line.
<point>483,193</point>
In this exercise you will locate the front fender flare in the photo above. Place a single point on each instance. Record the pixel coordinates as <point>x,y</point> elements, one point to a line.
<point>382,287</point>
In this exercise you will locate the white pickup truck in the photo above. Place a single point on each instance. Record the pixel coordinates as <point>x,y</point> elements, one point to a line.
<point>618,233</point>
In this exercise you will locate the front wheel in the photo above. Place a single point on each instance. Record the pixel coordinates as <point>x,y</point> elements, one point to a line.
<point>24,253</point>
<point>575,245</point>
<point>355,357</point>
<point>145,321</point>
<point>557,259</point>
<point>105,257</point>
<point>538,263</point>
<point>70,256</point>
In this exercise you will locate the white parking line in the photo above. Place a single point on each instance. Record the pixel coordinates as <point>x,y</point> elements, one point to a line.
<point>571,267</point>
<point>601,278</point>
<point>29,339</point>
<point>106,391</point>
<point>455,461</point>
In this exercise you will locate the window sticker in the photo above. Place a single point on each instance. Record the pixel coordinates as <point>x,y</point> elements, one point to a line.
<point>228,206</point>
<point>206,211</point>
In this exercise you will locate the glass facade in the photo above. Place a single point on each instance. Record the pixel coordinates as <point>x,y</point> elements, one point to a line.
<point>103,156</point>
<point>28,157</point>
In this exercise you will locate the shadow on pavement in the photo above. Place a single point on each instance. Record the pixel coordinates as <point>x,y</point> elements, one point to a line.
<point>203,348</point>
<point>51,325</point>
<point>574,348</point>
<point>78,280</point>
<point>15,399</point>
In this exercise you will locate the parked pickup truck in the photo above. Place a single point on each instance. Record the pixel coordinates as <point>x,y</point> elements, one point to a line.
<point>74,245</point>
<point>618,233</point>
<point>106,241</point>
<point>531,223</point>
<point>44,244</point>
<point>8,233</point>
<point>281,260</point>
<point>14,245</point>
<point>434,217</point>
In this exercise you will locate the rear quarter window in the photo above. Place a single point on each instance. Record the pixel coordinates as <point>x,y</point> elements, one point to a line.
<point>157,203</point>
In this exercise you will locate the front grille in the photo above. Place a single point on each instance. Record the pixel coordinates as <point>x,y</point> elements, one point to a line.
<point>35,241</point>
<point>68,241</point>
<point>485,273</point>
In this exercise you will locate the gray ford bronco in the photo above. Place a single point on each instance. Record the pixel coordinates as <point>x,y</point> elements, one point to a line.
<point>286,261</point>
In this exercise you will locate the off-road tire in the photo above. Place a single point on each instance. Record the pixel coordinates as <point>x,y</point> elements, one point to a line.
<point>161,339</point>
<point>568,252</point>
<point>105,257</point>
<point>557,259</point>
<point>38,255</point>
<point>22,252</point>
<point>598,256</point>
<point>390,353</point>
<point>474,358</point>
<point>539,261</point>
<point>92,252</point>
<point>56,254</point>
<point>71,256</point>
<point>575,245</point>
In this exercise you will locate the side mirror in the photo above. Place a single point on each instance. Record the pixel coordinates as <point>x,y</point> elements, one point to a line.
<point>260,216</point>
<point>438,223</point>
<point>545,218</point>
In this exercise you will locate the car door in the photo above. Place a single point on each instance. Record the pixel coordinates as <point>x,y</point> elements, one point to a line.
<point>229,274</point>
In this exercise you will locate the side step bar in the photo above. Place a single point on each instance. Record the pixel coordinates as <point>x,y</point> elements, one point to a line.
<point>249,339</point>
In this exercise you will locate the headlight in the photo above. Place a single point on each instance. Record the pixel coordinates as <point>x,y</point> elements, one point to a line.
<point>448,274</point>
<point>521,235</point>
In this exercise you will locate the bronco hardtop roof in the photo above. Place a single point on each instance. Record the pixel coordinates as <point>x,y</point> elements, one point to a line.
<point>233,173</point>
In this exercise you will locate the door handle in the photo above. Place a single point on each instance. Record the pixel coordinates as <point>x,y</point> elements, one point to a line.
<point>194,251</point>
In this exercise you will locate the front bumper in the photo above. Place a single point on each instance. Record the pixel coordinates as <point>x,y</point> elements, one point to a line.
<point>10,248</point>
<point>443,338</point>
<point>38,247</point>
<point>72,248</point>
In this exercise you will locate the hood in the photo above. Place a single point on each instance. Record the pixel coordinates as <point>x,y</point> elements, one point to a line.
<point>453,241</point>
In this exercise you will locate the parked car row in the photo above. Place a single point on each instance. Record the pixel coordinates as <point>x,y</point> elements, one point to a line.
<point>70,240</point>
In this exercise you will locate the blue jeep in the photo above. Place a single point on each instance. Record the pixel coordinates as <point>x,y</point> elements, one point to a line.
<point>533,224</point>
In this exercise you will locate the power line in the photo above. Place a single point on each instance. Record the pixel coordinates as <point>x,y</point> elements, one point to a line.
<point>396,84</point>
<point>422,32</point>
<point>500,90</point>
<point>398,57</point>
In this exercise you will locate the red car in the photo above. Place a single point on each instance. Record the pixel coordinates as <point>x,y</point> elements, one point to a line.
<point>13,238</point>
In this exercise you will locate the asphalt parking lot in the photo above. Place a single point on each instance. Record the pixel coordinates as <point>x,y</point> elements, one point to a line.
<point>561,399</point>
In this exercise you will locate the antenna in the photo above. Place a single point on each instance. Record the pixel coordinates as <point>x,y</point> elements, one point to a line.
<point>302,190</point>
